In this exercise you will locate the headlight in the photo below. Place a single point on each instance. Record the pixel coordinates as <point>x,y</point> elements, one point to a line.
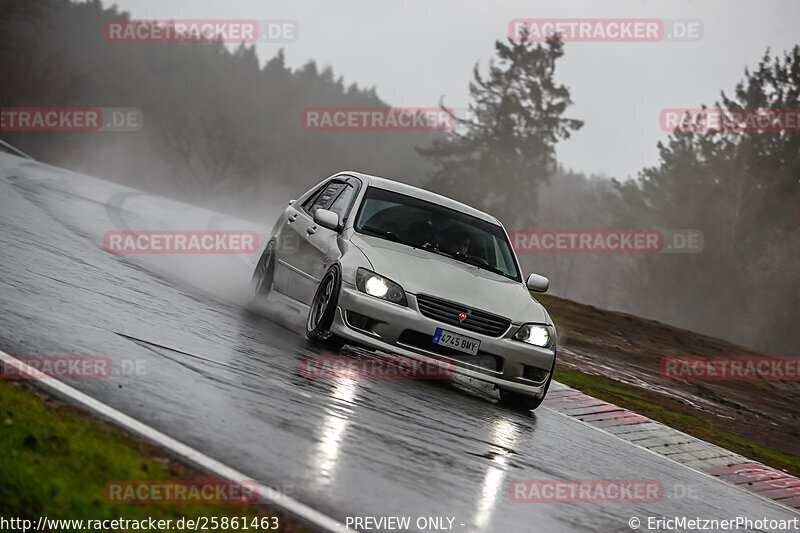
<point>536,334</point>
<point>379,287</point>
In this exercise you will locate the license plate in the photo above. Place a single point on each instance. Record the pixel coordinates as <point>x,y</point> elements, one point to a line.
<point>455,341</point>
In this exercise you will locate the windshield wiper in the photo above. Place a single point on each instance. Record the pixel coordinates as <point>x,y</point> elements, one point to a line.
<point>465,258</point>
<point>479,262</point>
<point>428,247</point>
<point>388,235</point>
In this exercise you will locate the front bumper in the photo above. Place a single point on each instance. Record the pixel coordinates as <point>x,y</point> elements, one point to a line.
<point>389,321</point>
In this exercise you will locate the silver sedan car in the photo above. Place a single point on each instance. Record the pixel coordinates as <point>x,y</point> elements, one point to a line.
<point>398,269</point>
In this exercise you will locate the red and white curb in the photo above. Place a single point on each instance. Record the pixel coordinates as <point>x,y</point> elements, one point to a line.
<point>697,454</point>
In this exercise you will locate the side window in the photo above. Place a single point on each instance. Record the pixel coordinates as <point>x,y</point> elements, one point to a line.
<point>370,208</point>
<point>502,260</point>
<point>323,199</point>
<point>341,206</point>
<point>311,199</point>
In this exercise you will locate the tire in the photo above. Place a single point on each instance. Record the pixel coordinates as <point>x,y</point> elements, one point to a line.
<point>323,309</point>
<point>263,276</point>
<point>517,400</point>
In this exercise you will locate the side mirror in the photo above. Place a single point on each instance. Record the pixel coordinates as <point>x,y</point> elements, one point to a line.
<point>537,283</point>
<point>292,202</point>
<point>326,219</point>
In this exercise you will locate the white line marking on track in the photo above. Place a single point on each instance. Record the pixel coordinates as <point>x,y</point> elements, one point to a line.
<point>266,494</point>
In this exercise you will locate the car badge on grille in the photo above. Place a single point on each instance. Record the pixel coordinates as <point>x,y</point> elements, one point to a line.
<point>463,316</point>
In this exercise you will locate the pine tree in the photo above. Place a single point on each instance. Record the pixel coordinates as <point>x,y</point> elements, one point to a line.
<point>498,157</point>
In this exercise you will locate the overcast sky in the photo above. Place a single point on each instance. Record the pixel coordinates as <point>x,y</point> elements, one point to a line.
<point>417,51</point>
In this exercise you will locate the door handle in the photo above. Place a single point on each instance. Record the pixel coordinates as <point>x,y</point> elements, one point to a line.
<point>311,231</point>
<point>292,218</point>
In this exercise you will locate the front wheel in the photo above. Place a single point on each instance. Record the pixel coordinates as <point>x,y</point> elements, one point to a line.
<point>323,308</point>
<point>517,400</point>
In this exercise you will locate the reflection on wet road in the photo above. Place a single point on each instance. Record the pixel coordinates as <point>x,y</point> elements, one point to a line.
<point>227,381</point>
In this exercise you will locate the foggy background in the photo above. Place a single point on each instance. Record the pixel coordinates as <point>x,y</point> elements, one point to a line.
<point>222,129</point>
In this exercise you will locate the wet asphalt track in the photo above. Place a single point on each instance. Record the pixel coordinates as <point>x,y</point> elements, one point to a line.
<point>226,381</point>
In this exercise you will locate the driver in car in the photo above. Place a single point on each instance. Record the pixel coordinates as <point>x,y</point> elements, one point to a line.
<point>460,244</point>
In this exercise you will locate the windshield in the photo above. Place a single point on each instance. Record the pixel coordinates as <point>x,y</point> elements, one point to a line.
<point>428,226</point>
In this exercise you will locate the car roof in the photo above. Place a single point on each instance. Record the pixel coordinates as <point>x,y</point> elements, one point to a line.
<point>422,194</point>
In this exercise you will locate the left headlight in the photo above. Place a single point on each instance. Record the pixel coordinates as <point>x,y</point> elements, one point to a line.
<point>536,334</point>
<point>371,283</point>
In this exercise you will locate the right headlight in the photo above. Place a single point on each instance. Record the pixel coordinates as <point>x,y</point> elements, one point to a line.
<point>375,285</point>
<point>537,334</point>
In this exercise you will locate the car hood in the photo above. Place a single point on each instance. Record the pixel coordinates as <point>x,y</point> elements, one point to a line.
<point>419,271</point>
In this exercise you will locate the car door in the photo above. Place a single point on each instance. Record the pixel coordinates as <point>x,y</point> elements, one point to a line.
<point>318,247</point>
<point>297,230</point>
<point>286,250</point>
<point>289,236</point>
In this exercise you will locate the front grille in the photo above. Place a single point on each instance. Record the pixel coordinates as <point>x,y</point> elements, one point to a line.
<point>448,312</point>
<point>425,342</point>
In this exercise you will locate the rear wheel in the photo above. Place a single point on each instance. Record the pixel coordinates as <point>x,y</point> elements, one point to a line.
<point>264,274</point>
<point>323,308</point>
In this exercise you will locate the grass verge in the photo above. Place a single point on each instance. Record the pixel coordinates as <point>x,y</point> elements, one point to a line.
<point>57,460</point>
